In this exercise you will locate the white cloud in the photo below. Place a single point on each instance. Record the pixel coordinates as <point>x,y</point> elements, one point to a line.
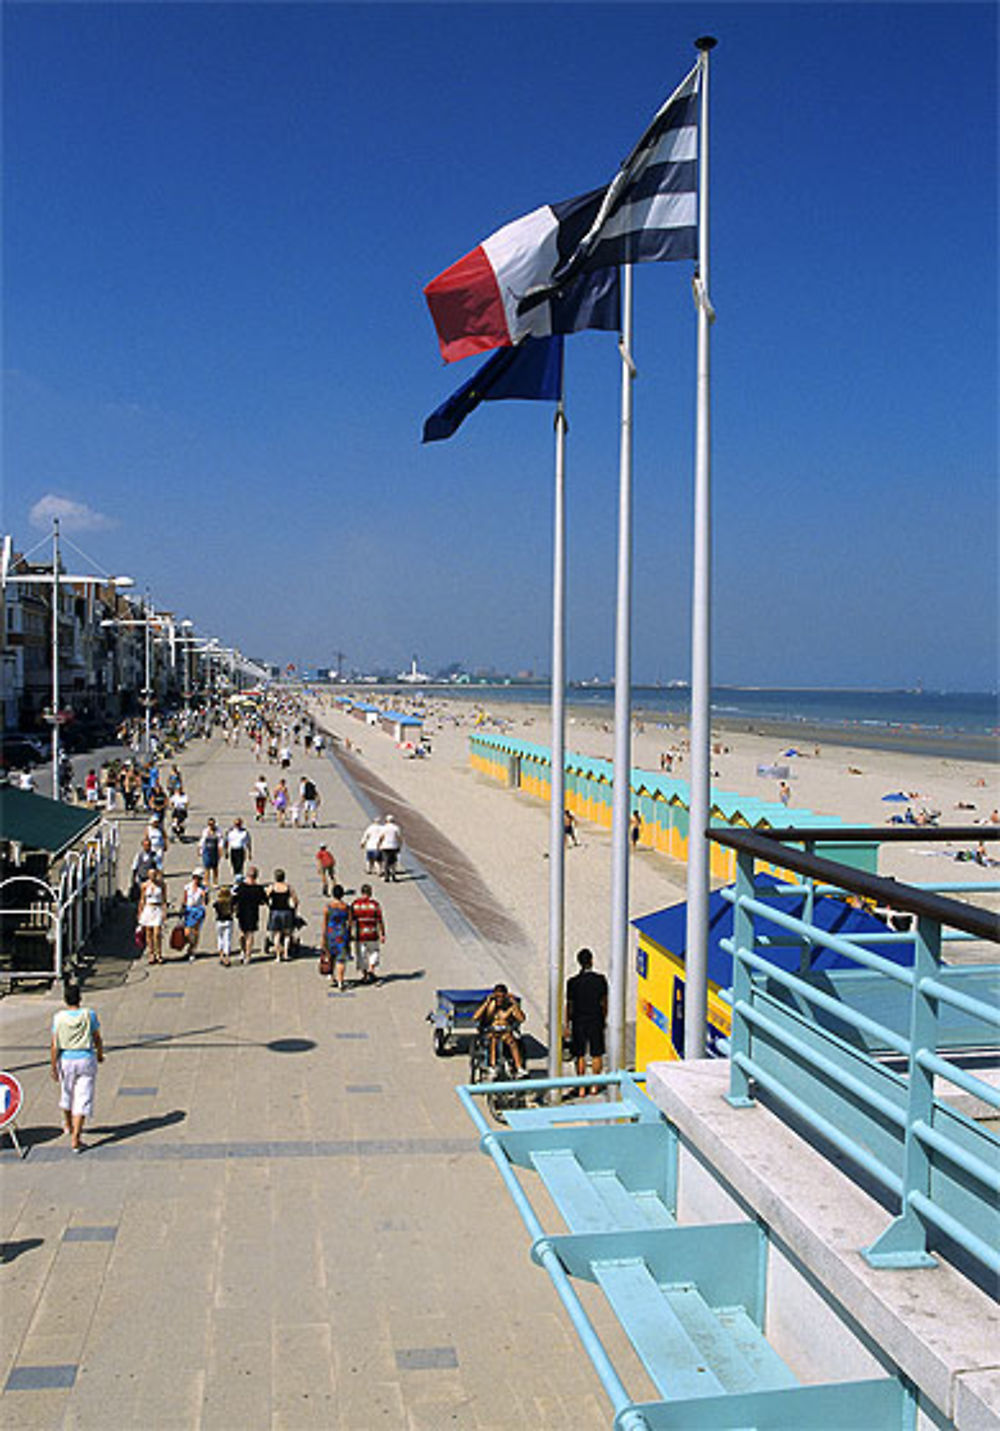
<point>73,516</point>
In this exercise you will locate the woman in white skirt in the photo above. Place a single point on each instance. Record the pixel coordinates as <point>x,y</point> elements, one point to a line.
<point>152,913</point>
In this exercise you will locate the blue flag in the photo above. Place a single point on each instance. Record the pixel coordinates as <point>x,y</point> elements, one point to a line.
<point>531,370</point>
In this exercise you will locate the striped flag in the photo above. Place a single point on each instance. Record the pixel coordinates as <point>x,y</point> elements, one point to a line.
<point>649,211</point>
<point>556,269</point>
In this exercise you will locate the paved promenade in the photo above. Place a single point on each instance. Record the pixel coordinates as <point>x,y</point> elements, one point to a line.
<point>283,1219</point>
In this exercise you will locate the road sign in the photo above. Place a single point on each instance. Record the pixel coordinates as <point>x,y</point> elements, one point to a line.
<point>11,1098</point>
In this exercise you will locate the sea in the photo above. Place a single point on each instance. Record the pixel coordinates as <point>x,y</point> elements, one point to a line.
<point>962,724</point>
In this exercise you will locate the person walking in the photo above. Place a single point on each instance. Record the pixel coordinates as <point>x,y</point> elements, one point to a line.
<point>569,828</point>
<point>370,843</point>
<point>390,843</point>
<point>587,1015</point>
<point>260,795</point>
<point>194,905</point>
<point>368,931</point>
<point>635,830</point>
<point>145,860</point>
<point>158,839</point>
<point>75,1050</point>
<point>153,913</point>
<point>280,800</point>
<point>337,936</point>
<point>239,845</point>
<point>249,898</point>
<point>209,850</point>
<point>309,799</point>
<point>222,907</point>
<point>283,903</point>
<point>326,867</point>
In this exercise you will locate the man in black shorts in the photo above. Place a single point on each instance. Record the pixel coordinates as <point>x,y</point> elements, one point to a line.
<point>586,1015</point>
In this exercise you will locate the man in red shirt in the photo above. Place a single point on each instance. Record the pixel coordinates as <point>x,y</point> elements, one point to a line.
<point>326,867</point>
<point>368,931</point>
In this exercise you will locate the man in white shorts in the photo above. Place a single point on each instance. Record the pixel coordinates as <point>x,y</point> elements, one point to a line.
<point>390,843</point>
<point>75,1052</point>
<point>370,842</point>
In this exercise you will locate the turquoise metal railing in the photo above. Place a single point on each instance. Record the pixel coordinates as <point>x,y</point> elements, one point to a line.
<point>542,1250</point>
<point>942,1166</point>
<point>691,1298</point>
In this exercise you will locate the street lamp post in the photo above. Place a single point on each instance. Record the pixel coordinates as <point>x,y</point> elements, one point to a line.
<point>147,620</point>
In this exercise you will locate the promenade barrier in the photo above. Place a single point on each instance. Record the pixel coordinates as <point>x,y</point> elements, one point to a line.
<point>828,1135</point>
<point>941,1166</point>
<point>45,926</point>
<point>691,1298</point>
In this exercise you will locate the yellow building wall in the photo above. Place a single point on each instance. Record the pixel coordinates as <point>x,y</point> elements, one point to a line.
<point>655,1002</point>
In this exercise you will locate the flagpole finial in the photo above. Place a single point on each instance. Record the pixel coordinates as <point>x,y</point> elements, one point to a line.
<point>706,42</point>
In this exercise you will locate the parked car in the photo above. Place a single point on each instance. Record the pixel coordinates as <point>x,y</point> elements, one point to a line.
<point>21,752</point>
<point>86,734</point>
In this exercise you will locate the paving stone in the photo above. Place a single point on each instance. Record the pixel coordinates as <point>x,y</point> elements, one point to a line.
<point>33,1377</point>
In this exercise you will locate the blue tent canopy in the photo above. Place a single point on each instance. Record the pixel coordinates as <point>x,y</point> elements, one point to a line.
<point>668,928</point>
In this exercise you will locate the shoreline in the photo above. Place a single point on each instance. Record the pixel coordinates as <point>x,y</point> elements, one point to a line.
<point>928,741</point>
<point>933,744</point>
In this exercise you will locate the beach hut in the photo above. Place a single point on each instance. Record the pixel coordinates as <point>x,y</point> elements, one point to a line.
<point>660,964</point>
<point>402,727</point>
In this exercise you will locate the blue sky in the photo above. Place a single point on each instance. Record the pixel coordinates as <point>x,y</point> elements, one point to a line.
<point>219,219</point>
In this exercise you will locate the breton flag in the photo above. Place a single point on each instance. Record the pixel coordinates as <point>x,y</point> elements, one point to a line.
<point>543,273</point>
<point>531,370</point>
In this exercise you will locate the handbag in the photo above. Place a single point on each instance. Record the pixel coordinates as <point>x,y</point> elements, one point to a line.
<point>178,938</point>
<point>325,964</point>
<point>139,937</point>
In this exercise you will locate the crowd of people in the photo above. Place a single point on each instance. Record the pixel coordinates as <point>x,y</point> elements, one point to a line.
<point>225,893</point>
<point>226,887</point>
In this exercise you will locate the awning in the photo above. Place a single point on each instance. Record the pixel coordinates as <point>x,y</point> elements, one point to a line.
<point>37,823</point>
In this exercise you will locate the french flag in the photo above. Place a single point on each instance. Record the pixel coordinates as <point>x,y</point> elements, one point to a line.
<point>475,303</point>
<point>556,269</point>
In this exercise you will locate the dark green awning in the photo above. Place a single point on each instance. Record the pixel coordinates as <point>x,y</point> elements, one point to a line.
<point>37,823</point>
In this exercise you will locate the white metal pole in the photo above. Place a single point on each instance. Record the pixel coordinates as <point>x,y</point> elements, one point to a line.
<point>621,793</point>
<point>557,745</point>
<point>149,674</point>
<point>698,873</point>
<point>55,658</point>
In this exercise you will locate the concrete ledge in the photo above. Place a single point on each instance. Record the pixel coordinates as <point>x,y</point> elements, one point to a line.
<point>940,1330</point>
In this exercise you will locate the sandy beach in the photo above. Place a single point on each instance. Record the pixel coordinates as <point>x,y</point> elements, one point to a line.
<point>504,834</point>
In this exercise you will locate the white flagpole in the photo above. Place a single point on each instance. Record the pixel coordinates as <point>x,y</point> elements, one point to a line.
<point>557,746</point>
<point>696,959</point>
<point>55,659</point>
<point>618,952</point>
